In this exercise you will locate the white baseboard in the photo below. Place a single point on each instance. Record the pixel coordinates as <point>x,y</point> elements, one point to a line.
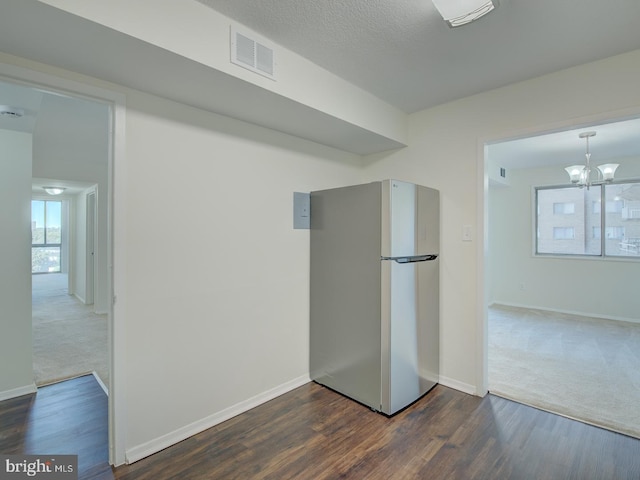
<point>457,385</point>
<point>79,298</point>
<point>100,382</point>
<point>153,446</point>
<point>18,392</point>
<point>567,312</point>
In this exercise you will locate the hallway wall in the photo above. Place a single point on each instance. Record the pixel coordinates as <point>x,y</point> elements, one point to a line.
<point>16,374</point>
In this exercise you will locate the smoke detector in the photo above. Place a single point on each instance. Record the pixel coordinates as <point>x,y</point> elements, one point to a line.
<point>12,112</point>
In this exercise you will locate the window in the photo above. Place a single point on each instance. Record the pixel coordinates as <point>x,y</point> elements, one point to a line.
<point>562,208</point>
<point>46,236</point>
<point>610,232</point>
<point>570,221</point>
<point>614,232</point>
<point>564,233</point>
<point>614,206</point>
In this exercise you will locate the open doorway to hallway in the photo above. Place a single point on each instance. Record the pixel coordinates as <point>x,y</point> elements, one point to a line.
<point>46,151</point>
<point>65,142</point>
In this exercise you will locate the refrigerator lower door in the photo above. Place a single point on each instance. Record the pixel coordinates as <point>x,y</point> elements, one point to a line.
<point>410,332</point>
<point>401,328</point>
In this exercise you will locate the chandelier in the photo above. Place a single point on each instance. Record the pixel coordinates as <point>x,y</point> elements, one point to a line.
<point>580,175</point>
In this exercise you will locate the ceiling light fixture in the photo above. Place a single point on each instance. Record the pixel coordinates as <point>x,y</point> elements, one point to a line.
<point>460,12</point>
<point>54,190</point>
<point>11,112</point>
<point>580,175</point>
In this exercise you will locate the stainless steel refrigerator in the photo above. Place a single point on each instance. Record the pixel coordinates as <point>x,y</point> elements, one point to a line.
<point>374,331</point>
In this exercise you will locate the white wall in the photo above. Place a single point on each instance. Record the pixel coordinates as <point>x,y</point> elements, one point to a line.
<point>71,142</point>
<point>604,288</point>
<point>445,152</point>
<point>16,370</point>
<point>218,278</point>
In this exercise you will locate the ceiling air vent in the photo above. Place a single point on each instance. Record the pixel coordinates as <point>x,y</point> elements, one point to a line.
<point>252,54</point>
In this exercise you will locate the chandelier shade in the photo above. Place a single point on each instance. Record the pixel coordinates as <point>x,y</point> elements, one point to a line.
<point>576,173</point>
<point>608,170</point>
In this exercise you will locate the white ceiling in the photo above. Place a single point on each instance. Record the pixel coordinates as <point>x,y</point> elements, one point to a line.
<point>48,110</point>
<point>612,140</point>
<point>19,97</point>
<point>404,53</point>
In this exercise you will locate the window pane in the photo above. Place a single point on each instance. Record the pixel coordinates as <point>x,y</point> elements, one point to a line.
<point>622,219</point>
<point>45,259</point>
<point>53,219</point>
<point>37,222</point>
<point>566,221</point>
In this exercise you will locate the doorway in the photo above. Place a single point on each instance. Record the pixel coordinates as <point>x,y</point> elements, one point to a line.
<point>21,79</point>
<point>559,325</point>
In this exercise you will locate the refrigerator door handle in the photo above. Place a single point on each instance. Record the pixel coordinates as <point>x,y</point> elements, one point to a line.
<point>412,258</point>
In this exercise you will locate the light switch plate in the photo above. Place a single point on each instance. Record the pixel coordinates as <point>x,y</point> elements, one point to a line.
<point>466,233</point>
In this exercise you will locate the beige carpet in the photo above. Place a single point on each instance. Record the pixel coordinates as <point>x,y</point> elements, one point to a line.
<point>69,340</point>
<point>580,367</point>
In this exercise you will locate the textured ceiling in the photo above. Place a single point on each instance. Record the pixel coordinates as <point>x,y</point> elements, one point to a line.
<point>404,53</point>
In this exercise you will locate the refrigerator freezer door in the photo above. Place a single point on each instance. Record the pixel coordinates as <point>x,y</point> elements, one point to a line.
<point>427,220</point>
<point>399,219</point>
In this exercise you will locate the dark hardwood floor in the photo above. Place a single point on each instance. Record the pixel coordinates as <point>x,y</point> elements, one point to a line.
<point>315,433</point>
<point>69,417</point>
